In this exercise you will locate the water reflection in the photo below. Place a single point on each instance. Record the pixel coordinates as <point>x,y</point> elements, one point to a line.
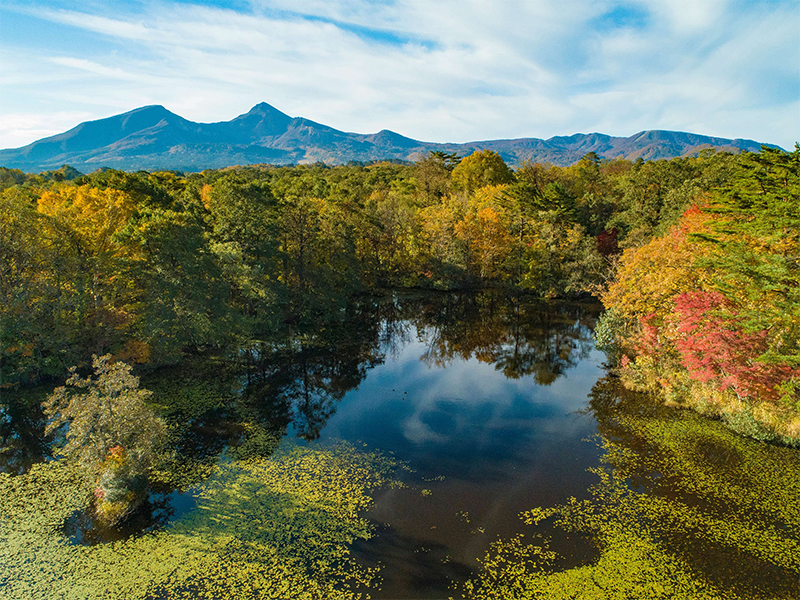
<point>516,335</point>
<point>469,384</point>
<point>22,441</point>
<point>720,503</point>
<point>486,416</point>
<point>311,371</point>
<point>301,375</point>
<point>484,397</point>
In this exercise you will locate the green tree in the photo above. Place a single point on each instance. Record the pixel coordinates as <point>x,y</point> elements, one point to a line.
<point>27,292</point>
<point>432,176</point>
<point>484,167</point>
<point>111,433</point>
<point>755,252</point>
<point>182,296</point>
<point>10,177</point>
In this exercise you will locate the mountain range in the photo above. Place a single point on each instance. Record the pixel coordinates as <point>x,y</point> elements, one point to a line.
<point>153,138</point>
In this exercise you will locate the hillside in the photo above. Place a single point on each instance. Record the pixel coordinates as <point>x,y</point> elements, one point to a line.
<point>152,137</point>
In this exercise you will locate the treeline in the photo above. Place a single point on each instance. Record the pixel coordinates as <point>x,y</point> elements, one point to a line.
<point>707,314</point>
<point>149,265</point>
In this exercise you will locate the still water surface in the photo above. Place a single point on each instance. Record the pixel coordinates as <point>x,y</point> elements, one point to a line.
<point>493,405</point>
<point>489,431</point>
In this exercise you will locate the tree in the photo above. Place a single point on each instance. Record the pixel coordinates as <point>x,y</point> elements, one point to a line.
<point>484,167</point>
<point>440,251</point>
<point>28,292</point>
<point>484,230</point>
<point>385,228</point>
<point>182,294</point>
<point>450,160</point>
<point>715,347</point>
<point>650,277</point>
<point>755,243</point>
<point>86,222</point>
<point>112,435</point>
<point>755,254</point>
<point>10,177</point>
<point>432,176</point>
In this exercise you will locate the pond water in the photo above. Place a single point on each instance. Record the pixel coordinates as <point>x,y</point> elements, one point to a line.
<point>489,431</point>
<point>486,406</point>
<point>489,428</point>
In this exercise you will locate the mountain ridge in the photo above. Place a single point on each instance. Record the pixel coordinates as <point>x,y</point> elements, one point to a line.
<point>152,137</point>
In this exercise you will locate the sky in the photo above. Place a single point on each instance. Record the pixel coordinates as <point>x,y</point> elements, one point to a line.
<point>439,71</point>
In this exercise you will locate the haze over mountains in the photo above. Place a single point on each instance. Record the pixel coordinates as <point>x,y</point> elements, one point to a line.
<point>154,138</point>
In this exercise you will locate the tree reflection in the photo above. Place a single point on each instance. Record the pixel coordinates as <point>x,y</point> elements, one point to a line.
<point>311,368</point>
<point>521,337</point>
<point>326,354</point>
<point>241,404</point>
<point>22,440</point>
<point>244,403</point>
<point>703,493</point>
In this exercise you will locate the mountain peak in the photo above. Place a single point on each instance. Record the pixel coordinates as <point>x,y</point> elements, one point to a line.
<point>263,120</point>
<point>262,108</point>
<point>148,108</point>
<point>152,137</point>
<point>150,112</point>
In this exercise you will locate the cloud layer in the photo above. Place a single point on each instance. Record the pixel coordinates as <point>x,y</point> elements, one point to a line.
<point>443,71</point>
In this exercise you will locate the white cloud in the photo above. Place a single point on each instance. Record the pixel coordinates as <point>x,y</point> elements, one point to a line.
<point>445,71</point>
<point>111,27</point>
<point>689,16</point>
<point>106,72</point>
<point>16,129</point>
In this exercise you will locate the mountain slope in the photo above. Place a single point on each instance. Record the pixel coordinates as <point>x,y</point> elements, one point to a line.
<point>152,138</point>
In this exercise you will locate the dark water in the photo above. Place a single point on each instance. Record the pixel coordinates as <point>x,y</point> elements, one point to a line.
<point>489,431</point>
<point>481,395</point>
<point>495,403</point>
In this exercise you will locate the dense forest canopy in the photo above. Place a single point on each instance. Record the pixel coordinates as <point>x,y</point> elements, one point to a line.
<point>696,259</point>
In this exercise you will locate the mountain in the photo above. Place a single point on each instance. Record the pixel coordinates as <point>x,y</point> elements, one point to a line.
<point>154,138</point>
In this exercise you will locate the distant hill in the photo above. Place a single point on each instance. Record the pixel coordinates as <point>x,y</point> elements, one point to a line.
<point>153,138</point>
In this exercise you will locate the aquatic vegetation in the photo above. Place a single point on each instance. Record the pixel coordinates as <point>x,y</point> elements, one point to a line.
<point>263,528</point>
<point>684,509</point>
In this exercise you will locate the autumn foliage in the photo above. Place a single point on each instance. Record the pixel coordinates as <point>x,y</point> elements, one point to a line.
<point>708,314</point>
<point>715,347</point>
<point>150,266</point>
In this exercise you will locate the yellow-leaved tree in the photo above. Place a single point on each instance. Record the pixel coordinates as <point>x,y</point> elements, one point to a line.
<point>86,220</point>
<point>650,277</point>
<point>484,231</point>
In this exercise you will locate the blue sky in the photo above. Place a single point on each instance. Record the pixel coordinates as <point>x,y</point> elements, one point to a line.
<point>437,71</point>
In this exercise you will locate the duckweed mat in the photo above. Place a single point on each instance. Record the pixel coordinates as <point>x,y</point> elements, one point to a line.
<point>684,509</point>
<point>267,528</point>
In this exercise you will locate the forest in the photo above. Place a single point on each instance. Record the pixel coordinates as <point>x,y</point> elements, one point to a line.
<point>695,260</point>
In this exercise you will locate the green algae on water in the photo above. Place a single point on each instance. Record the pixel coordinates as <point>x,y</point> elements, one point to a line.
<point>264,528</point>
<point>685,509</point>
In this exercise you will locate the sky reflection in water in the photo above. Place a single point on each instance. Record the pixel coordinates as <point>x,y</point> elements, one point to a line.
<point>481,395</point>
<point>497,405</point>
<point>483,447</point>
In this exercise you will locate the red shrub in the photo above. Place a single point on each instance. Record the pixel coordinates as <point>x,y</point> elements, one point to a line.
<point>714,347</point>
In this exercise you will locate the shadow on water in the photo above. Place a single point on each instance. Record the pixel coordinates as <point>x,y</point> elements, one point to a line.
<point>22,440</point>
<point>703,493</point>
<point>489,400</point>
<point>294,380</point>
<point>82,527</point>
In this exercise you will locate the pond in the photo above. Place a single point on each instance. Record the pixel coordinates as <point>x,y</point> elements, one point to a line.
<point>415,446</point>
